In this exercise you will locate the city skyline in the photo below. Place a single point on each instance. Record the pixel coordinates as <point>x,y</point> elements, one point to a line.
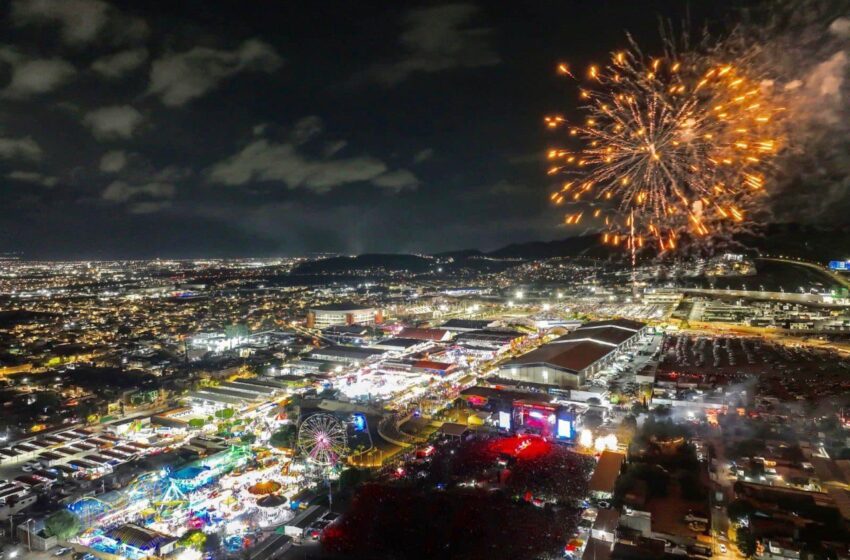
<point>412,280</point>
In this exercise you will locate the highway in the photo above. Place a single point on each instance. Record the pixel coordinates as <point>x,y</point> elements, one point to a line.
<point>834,276</point>
<point>789,297</point>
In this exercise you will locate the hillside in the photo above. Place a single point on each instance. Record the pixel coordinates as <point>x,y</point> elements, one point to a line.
<point>794,240</point>
<point>366,262</point>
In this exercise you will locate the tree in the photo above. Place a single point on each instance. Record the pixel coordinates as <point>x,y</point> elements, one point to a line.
<point>197,423</point>
<point>63,524</point>
<point>86,409</point>
<point>690,486</point>
<point>224,413</point>
<point>213,543</point>
<point>592,421</point>
<point>745,541</point>
<point>748,448</point>
<point>196,539</point>
<point>638,408</point>
<point>626,430</point>
<point>352,477</point>
<point>739,509</point>
<point>662,410</point>
<point>285,437</point>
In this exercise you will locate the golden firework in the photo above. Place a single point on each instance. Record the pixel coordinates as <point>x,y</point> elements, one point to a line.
<point>669,147</point>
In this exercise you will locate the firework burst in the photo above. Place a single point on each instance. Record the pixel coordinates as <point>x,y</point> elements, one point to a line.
<point>672,149</point>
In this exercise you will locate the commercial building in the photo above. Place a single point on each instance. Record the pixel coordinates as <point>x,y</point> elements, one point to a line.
<point>351,334</point>
<point>402,345</point>
<point>433,335</point>
<point>237,394</point>
<point>465,325</point>
<point>325,316</point>
<point>488,343</point>
<point>353,355</point>
<point>567,361</point>
<point>135,541</point>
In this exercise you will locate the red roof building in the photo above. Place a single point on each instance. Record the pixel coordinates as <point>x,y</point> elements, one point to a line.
<point>433,335</point>
<point>440,368</point>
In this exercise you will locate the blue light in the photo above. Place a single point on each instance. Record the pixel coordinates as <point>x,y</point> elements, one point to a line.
<point>565,429</point>
<point>359,421</point>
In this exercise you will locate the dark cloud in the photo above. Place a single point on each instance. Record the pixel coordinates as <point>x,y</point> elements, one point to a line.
<point>262,160</point>
<point>423,155</point>
<point>80,22</point>
<point>33,76</point>
<point>306,129</point>
<point>33,177</point>
<point>288,163</point>
<point>146,198</point>
<point>121,63</point>
<point>20,148</point>
<point>109,123</point>
<point>398,180</point>
<point>438,38</point>
<point>178,78</point>
<point>113,161</point>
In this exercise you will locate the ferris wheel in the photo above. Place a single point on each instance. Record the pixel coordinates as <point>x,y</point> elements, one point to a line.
<point>322,438</point>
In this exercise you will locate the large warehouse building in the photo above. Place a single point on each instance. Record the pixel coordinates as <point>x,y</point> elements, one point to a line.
<point>333,314</point>
<point>567,361</point>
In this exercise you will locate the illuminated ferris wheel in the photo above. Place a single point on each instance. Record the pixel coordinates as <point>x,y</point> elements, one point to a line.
<point>322,438</point>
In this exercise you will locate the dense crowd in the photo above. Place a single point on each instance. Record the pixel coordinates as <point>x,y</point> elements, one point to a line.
<point>484,497</point>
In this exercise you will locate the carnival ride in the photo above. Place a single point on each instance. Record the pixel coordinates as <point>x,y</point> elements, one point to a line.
<point>323,439</point>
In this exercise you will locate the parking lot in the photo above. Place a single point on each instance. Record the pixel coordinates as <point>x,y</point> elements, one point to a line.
<point>620,375</point>
<point>785,372</point>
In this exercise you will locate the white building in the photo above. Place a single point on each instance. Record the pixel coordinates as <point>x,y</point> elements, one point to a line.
<point>334,314</point>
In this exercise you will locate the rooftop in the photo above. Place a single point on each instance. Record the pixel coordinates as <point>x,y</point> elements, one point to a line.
<point>465,324</point>
<point>345,306</point>
<point>495,393</point>
<point>424,334</point>
<point>570,355</point>
<point>606,472</point>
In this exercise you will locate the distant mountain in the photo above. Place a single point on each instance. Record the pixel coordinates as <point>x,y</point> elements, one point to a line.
<point>366,262</point>
<point>807,242</point>
<point>583,246</point>
<point>462,254</point>
<point>794,240</point>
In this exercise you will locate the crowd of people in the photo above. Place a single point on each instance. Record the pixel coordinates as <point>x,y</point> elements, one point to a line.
<point>481,497</point>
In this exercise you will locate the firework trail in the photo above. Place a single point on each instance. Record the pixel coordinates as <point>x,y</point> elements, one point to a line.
<point>673,149</point>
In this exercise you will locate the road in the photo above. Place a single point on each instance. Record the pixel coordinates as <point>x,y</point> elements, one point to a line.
<point>774,335</point>
<point>834,276</point>
<point>786,297</point>
<point>719,520</point>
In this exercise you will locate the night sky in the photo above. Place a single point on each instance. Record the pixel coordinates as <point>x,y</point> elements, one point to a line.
<point>259,128</point>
